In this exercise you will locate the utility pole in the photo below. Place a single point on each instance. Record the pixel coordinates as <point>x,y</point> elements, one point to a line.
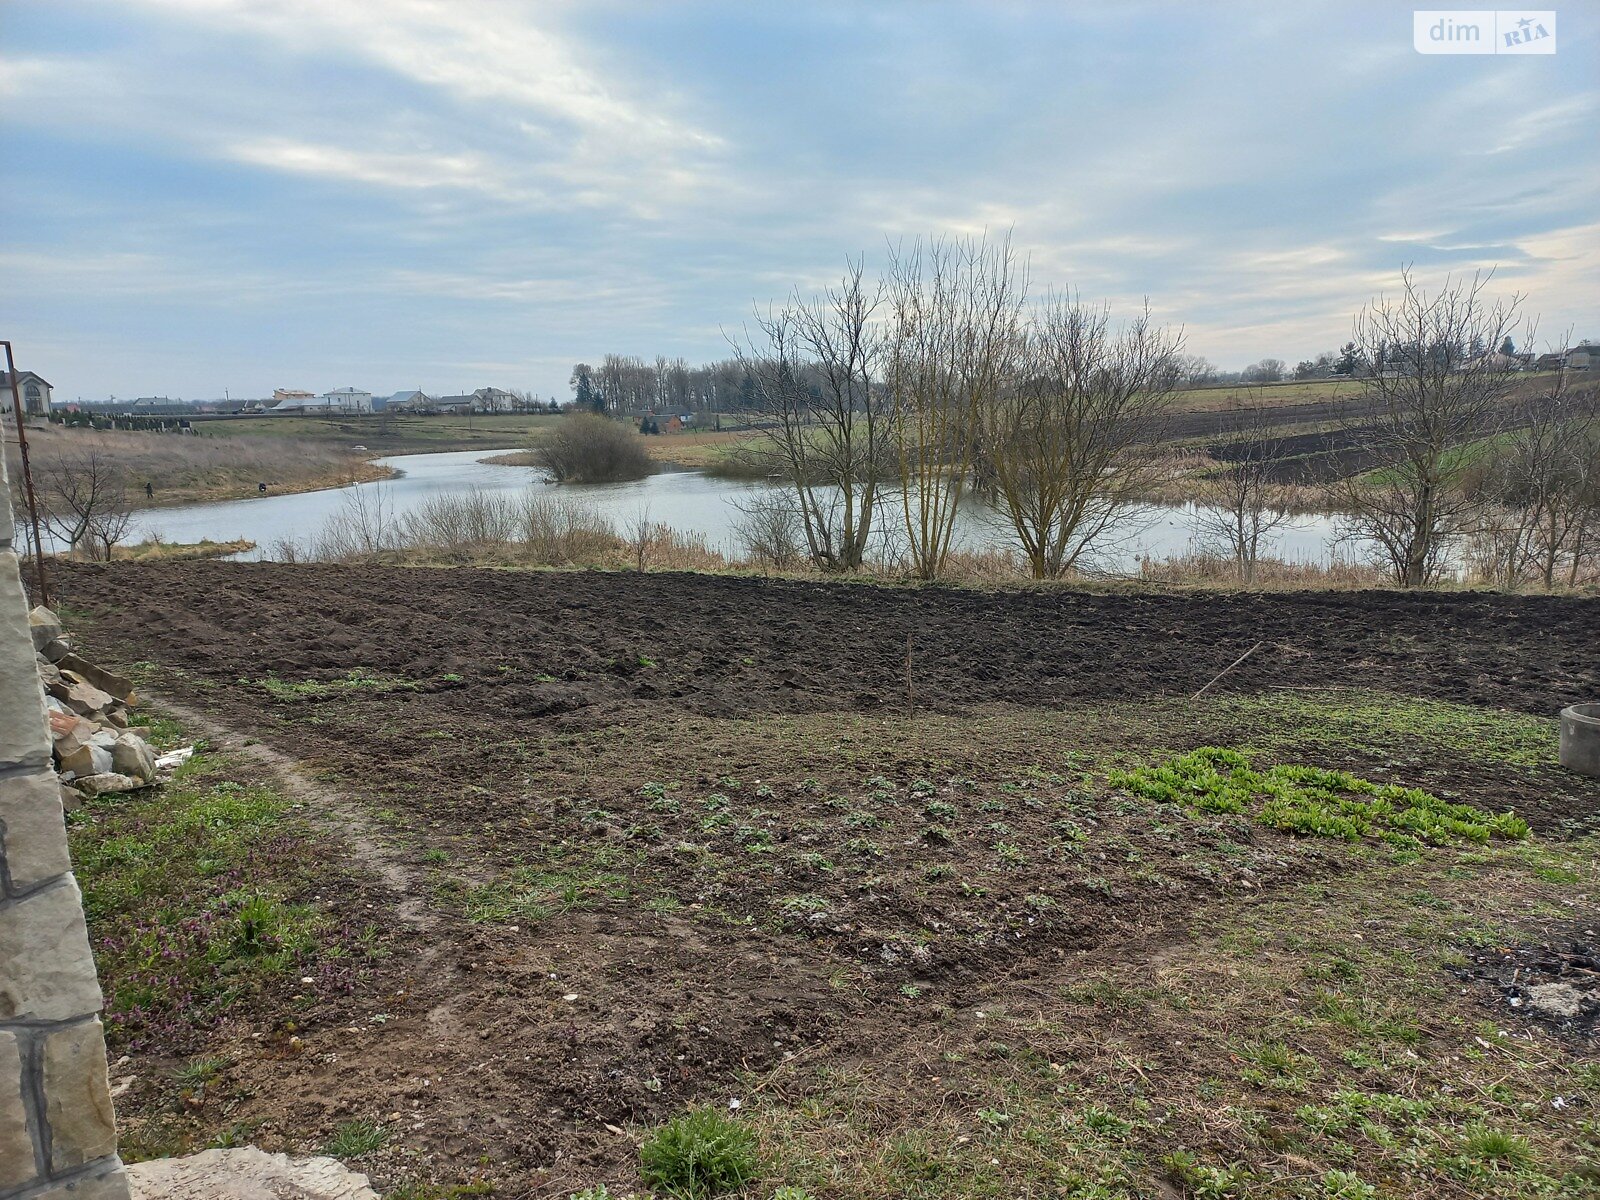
<point>27,477</point>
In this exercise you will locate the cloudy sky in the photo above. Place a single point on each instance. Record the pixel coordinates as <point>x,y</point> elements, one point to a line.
<point>202,195</point>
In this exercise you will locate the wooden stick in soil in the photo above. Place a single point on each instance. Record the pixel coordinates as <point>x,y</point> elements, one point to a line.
<point>911,694</point>
<point>1226,669</point>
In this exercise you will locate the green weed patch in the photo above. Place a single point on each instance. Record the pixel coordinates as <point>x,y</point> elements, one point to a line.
<point>355,680</point>
<point>1314,801</point>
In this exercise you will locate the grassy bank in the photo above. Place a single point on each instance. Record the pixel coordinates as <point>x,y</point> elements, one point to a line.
<point>386,433</point>
<point>189,469</point>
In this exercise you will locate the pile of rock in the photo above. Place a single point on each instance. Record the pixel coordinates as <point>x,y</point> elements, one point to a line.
<point>98,748</point>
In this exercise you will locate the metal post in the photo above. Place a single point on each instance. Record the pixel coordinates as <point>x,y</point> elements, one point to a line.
<point>27,477</point>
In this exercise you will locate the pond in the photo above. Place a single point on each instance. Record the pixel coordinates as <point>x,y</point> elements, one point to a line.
<point>688,501</point>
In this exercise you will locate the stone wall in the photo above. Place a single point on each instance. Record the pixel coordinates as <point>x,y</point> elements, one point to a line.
<point>58,1139</point>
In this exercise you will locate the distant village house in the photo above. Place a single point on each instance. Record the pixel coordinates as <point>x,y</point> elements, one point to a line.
<point>34,389</point>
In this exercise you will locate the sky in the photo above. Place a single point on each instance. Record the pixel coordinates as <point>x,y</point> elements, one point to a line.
<point>210,196</point>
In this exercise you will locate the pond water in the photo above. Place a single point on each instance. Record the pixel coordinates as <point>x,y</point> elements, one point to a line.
<point>688,501</point>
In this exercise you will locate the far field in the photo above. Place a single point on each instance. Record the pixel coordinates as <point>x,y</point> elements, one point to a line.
<point>483,876</point>
<point>230,457</point>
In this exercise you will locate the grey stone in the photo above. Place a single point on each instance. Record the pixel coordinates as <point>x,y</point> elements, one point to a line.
<point>77,1096</point>
<point>80,695</point>
<point>119,686</point>
<point>57,650</point>
<point>22,732</point>
<point>88,759</point>
<point>99,1185</point>
<point>48,971</point>
<point>34,837</point>
<point>131,755</point>
<point>44,625</point>
<point>16,1142</point>
<point>246,1173</point>
<point>107,784</point>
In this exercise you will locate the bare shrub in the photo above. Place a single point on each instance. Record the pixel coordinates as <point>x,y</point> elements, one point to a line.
<point>1543,479</point>
<point>460,524</point>
<point>828,426</point>
<point>955,314</point>
<point>84,501</point>
<point>363,530</point>
<point>769,531</point>
<point>1239,505</point>
<point>586,448</point>
<point>560,531</point>
<point>1221,570</point>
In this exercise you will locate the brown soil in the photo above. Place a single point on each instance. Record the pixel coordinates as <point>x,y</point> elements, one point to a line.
<point>568,647</point>
<point>675,899</point>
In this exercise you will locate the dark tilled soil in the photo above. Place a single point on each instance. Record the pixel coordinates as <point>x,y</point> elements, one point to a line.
<point>583,648</point>
<point>799,891</point>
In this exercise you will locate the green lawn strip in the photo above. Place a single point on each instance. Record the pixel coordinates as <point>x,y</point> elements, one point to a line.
<point>199,896</point>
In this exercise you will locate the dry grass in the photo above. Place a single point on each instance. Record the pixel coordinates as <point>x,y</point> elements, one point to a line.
<point>1216,570</point>
<point>471,529</point>
<point>187,469</point>
<point>692,451</point>
<point>178,551</point>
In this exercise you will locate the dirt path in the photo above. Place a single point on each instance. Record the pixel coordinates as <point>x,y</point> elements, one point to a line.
<point>326,807</point>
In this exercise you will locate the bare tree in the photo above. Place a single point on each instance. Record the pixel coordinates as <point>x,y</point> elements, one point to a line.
<point>1069,443</point>
<point>1425,397</point>
<point>85,502</point>
<point>1237,510</point>
<point>828,424</point>
<point>956,310</point>
<point>1541,481</point>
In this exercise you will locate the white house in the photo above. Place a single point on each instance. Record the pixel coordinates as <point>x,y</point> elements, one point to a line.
<point>346,400</point>
<point>411,401</point>
<point>35,391</point>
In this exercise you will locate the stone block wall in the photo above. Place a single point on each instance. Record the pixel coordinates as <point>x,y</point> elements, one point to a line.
<point>58,1138</point>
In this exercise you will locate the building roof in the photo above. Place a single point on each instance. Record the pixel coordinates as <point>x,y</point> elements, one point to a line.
<point>413,394</point>
<point>23,377</point>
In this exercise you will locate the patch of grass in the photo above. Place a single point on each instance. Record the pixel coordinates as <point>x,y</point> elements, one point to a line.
<point>1362,722</point>
<point>194,898</point>
<point>529,894</point>
<point>355,680</point>
<point>198,1072</point>
<point>355,1138</point>
<point>1311,800</point>
<point>699,1154</point>
<point>1497,1146</point>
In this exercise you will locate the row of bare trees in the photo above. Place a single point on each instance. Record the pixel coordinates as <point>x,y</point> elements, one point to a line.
<point>891,402</point>
<point>1454,460</point>
<point>896,399</point>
